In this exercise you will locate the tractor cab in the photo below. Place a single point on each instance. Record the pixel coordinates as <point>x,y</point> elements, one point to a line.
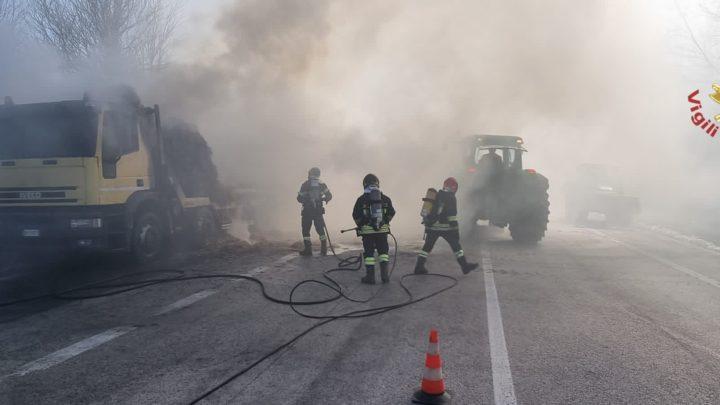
<point>509,148</point>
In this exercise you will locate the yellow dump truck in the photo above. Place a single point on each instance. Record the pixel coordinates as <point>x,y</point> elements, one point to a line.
<point>97,175</point>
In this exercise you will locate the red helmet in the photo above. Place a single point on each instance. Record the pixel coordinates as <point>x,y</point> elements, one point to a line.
<point>451,184</point>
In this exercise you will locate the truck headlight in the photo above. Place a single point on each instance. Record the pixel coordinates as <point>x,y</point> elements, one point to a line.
<point>86,223</point>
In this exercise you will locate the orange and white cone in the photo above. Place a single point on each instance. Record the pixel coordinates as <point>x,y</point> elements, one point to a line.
<point>432,390</point>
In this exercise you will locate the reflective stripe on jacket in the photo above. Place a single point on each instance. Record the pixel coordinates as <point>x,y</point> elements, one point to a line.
<point>367,229</point>
<point>363,219</point>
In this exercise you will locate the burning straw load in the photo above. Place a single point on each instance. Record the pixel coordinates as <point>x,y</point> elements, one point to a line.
<point>191,159</point>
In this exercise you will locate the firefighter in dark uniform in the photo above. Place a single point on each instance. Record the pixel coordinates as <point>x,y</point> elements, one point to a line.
<point>491,169</point>
<point>491,163</point>
<point>313,193</point>
<point>442,222</point>
<point>372,213</point>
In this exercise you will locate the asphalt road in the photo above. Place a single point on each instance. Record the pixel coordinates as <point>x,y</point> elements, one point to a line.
<point>587,316</point>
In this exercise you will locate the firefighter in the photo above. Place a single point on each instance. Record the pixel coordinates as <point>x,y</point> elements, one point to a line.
<point>442,222</point>
<point>313,193</point>
<point>491,167</point>
<point>372,213</point>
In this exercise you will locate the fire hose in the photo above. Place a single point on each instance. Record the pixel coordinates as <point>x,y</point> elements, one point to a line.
<point>119,285</point>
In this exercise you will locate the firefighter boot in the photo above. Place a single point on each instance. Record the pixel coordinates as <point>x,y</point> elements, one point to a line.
<point>420,265</point>
<point>465,266</point>
<point>323,247</point>
<point>308,249</point>
<point>384,273</point>
<point>370,276</point>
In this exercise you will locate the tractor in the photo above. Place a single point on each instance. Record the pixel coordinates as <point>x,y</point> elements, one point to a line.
<point>501,191</point>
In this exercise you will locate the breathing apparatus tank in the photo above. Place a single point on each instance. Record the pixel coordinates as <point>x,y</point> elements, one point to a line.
<point>428,202</point>
<point>376,207</point>
<point>315,191</point>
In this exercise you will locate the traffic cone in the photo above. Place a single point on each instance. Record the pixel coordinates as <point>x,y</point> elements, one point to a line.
<point>432,390</point>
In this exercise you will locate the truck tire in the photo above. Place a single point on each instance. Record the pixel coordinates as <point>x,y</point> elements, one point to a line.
<point>530,226</point>
<point>205,228</point>
<point>149,239</point>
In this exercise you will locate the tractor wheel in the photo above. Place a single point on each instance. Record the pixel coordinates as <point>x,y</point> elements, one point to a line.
<point>530,227</point>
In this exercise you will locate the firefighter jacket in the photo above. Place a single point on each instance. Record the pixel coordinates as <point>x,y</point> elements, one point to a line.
<point>443,216</point>
<point>363,217</point>
<point>312,196</point>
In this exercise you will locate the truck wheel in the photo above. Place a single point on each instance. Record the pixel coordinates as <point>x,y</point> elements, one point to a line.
<point>148,238</point>
<point>205,229</point>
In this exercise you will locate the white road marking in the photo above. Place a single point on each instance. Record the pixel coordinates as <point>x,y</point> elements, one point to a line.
<point>285,259</point>
<point>503,387</point>
<point>256,271</point>
<point>682,239</point>
<point>186,302</point>
<point>201,295</point>
<point>672,265</point>
<point>71,351</point>
<point>278,262</point>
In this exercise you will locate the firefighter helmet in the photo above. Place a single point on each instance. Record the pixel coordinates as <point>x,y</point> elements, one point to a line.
<point>314,172</point>
<point>450,184</point>
<point>371,179</point>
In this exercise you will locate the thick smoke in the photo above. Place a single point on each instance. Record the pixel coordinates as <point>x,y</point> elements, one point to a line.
<point>390,87</point>
<point>359,87</point>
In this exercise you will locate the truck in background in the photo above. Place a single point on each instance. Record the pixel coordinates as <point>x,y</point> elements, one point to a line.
<point>597,191</point>
<point>103,175</point>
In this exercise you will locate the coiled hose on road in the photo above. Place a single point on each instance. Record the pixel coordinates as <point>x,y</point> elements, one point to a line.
<point>353,263</point>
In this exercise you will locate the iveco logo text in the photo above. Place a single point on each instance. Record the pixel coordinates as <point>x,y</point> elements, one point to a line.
<point>30,195</point>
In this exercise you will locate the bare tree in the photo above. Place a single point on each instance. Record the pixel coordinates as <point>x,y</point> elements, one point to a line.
<point>11,12</point>
<point>81,29</point>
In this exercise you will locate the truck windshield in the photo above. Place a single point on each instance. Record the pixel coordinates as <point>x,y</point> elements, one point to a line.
<point>47,130</point>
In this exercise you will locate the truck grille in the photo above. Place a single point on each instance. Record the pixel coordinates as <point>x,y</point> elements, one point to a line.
<point>35,195</point>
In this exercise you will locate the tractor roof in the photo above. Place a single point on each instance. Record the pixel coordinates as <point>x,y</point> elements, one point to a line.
<point>497,142</point>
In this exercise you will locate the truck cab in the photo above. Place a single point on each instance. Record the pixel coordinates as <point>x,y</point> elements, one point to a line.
<point>89,175</point>
<point>596,193</point>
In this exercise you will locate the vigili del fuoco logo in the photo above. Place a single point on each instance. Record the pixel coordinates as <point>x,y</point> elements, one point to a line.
<point>697,117</point>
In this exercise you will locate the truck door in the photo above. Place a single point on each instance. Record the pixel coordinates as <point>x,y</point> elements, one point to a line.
<point>124,157</point>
